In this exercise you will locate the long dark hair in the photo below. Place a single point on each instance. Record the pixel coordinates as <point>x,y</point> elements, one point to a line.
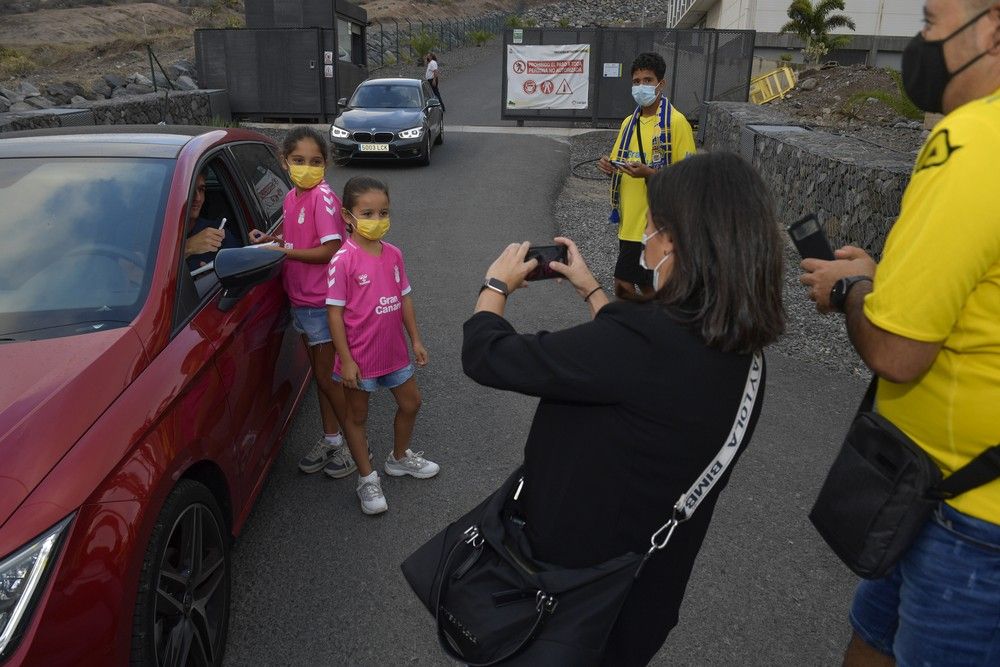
<point>727,276</point>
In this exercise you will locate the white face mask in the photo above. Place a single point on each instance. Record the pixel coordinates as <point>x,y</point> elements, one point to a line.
<point>655,269</point>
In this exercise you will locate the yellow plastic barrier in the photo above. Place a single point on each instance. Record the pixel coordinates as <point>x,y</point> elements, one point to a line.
<point>772,85</point>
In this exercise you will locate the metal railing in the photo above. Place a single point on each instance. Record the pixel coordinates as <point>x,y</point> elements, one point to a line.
<point>393,41</point>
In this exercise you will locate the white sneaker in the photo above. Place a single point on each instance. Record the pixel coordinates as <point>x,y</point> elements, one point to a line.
<point>411,464</point>
<point>372,498</point>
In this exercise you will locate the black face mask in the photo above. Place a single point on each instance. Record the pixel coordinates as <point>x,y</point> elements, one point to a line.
<point>925,72</point>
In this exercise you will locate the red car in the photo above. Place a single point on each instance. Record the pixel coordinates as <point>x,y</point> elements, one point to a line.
<point>141,402</point>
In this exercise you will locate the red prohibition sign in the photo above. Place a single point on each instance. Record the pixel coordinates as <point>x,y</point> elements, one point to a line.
<point>530,87</point>
<point>519,67</point>
<point>547,87</point>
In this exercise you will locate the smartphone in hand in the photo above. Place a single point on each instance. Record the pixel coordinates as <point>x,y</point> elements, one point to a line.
<point>809,239</point>
<point>545,254</point>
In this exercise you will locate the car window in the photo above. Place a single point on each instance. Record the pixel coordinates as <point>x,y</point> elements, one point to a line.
<point>220,202</point>
<point>79,242</point>
<point>260,167</point>
<point>387,96</point>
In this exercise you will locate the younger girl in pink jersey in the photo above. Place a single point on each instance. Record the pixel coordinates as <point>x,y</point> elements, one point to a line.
<point>313,231</point>
<point>369,306</point>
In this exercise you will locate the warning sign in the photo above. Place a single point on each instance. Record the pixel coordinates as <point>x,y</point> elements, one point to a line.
<point>548,77</point>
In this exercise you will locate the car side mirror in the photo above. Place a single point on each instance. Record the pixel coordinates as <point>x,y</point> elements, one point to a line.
<point>342,103</point>
<point>433,102</point>
<point>240,269</point>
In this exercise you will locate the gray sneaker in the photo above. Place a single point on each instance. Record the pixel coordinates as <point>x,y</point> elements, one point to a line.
<point>318,456</point>
<point>341,463</point>
<point>372,498</point>
<point>411,464</point>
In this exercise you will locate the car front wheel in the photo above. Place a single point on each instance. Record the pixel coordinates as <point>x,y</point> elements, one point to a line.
<point>182,607</point>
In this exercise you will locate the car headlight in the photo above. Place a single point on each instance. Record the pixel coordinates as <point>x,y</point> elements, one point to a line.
<point>338,133</point>
<point>413,133</point>
<point>22,578</point>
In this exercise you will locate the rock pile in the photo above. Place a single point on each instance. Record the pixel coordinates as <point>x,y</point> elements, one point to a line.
<point>27,97</point>
<point>580,13</point>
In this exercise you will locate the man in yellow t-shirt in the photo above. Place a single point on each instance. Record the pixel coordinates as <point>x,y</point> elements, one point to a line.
<point>929,327</point>
<point>656,135</point>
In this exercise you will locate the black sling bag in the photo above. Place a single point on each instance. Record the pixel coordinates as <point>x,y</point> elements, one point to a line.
<point>881,490</point>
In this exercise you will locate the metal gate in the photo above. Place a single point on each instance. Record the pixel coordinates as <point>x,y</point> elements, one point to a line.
<point>702,65</point>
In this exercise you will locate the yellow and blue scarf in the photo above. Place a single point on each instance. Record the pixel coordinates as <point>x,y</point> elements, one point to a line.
<point>664,159</point>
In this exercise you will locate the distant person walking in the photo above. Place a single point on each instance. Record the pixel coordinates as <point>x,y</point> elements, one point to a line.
<point>432,75</point>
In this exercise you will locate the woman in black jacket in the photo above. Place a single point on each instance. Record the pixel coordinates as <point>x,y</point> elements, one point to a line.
<point>635,404</point>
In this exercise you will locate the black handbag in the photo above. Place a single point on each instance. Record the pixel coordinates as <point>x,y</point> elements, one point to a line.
<point>882,488</point>
<point>494,603</point>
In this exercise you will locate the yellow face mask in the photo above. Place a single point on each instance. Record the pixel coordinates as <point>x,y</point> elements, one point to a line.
<point>372,229</point>
<point>305,177</point>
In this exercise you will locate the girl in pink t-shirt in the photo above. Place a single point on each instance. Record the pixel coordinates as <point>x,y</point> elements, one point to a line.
<point>369,306</point>
<point>313,231</point>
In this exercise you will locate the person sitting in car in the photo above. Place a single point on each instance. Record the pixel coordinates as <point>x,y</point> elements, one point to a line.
<point>204,238</point>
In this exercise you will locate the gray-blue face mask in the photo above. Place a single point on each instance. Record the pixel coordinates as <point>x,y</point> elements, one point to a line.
<point>644,95</point>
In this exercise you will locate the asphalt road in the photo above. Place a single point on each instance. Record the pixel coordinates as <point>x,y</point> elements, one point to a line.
<point>318,583</point>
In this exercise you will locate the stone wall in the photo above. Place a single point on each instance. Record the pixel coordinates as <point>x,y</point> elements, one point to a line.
<point>176,108</point>
<point>854,187</point>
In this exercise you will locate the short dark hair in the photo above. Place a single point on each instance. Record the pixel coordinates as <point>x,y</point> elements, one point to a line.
<point>728,261</point>
<point>357,186</point>
<point>650,61</point>
<point>297,134</point>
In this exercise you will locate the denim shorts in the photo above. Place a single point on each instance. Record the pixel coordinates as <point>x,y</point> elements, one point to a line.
<point>389,381</point>
<point>313,323</point>
<point>940,605</point>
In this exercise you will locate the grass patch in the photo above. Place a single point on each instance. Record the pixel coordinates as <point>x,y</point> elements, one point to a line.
<point>14,63</point>
<point>423,42</point>
<point>897,101</point>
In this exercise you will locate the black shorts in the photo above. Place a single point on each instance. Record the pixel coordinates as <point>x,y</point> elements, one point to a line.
<point>627,268</point>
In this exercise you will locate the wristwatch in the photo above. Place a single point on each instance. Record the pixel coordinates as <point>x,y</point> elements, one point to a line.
<point>495,285</point>
<point>841,288</point>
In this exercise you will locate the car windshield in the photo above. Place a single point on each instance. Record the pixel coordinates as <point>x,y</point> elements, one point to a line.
<point>78,242</point>
<point>386,96</point>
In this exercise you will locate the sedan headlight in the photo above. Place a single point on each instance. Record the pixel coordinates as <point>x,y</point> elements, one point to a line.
<point>22,578</point>
<point>413,133</point>
<point>338,133</point>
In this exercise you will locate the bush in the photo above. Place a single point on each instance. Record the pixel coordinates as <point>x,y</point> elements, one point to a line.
<point>423,42</point>
<point>564,23</point>
<point>785,57</point>
<point>480,37</point>
<point>14,63</point>
<point>519,22</point>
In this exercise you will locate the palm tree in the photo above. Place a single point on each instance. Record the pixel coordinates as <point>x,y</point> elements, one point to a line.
<point>813,25</point>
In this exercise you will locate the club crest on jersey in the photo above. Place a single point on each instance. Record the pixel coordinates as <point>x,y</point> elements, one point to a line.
<point>302,216</point>
<point>363,280</point>
<point>396,269</point>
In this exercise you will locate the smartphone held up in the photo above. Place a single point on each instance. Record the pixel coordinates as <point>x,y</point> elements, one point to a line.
<point>545,254</point>
<point>809,239</point>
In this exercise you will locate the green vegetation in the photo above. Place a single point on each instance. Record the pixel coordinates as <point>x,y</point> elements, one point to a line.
<point>898,102</point>
<point>520,22</point>
<point>480,37</point>
<point>564,22</point>
<point>14,63</point>
<point>813,24</point>
<point>785,57</point>
<point>423,42</point>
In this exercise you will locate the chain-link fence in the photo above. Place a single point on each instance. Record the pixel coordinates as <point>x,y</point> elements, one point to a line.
<point>394,41</point>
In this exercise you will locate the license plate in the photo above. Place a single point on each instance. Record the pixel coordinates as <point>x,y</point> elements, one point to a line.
<point>374,148</point>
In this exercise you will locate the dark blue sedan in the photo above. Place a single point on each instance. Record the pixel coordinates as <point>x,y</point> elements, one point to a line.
<point>388,119</point>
